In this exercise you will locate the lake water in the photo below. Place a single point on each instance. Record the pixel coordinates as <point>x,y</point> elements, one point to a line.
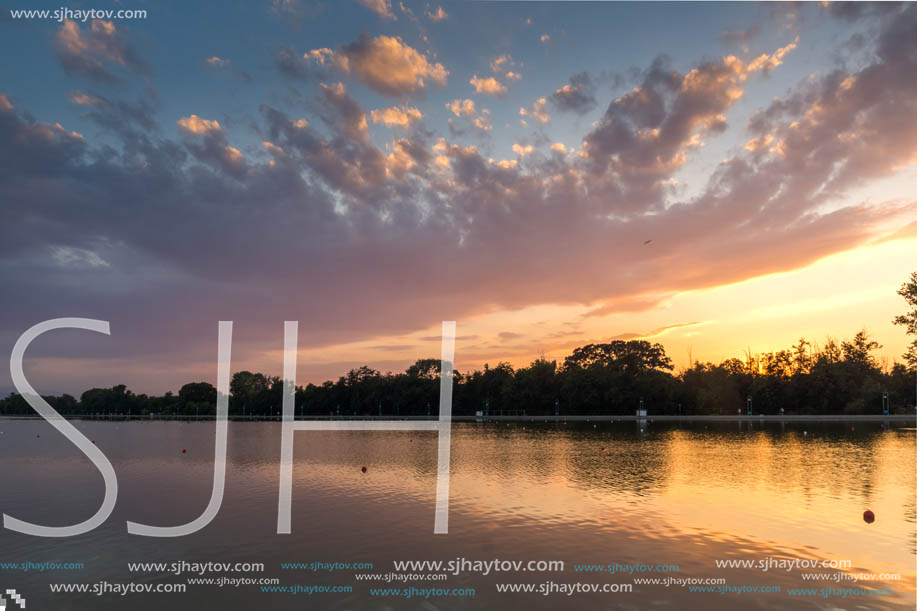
<point>685,494</point>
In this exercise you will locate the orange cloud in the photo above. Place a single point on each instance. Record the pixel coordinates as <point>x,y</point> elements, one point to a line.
<point>461,108</point>
<point>537,110</point>
<point>390,66</point>
<point>383,8</point>
<point>396,116</point>
<point>767,62</point>
<point>438,15</point>
<point>488,85</point>
<point>501,63</point>
<point>198,126</point>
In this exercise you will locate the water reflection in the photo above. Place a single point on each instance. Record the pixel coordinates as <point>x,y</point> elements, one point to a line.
<point>628,492</point>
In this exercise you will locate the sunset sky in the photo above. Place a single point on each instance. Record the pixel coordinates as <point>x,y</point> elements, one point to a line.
<point>717,177</point>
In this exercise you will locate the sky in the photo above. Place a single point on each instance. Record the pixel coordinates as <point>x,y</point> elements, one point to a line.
<point>718,177</point>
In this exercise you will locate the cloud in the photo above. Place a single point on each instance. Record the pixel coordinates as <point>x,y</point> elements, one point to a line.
<point>208,143</point>
<point>92,51</point>
<point>578,96</point>
<point>537,111</point>
<point>767,62</point>
<point>5,104</point>
<point>647,133</point>
<point>467,109</point>
<point>345,114</point>
<point>482,121</point>
<point>133,122</point>
<point>84,99</point>
<point>854,11</point>
<point>195,125</point>
<point>69,257</point>
<point>437,15</point>
<point>488,85</point>
<point>396,116</point>
<point>501,63</point>
<point>385,64</point>
<point>226,65</point>
<point>291,64</point>
<point>658,332</point>
<point>383,8</point>
<point>461,108</point>
<point>357,239</point>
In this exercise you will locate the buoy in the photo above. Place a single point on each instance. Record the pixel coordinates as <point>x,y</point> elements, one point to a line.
<point>603,448</point>
<point>37,436</point>
<point>184,451</point>
<point>869,517</point>
<point>363,469</point>
<point>93,441</point>
<point>852,428</point>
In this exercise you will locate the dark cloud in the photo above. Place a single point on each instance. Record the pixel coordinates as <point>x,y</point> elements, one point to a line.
<point>855,11</point>
<point>93,52</point>
<point>292,64</point>
<point>577,96</point>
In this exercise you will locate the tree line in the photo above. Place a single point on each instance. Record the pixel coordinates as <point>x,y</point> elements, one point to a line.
<point>614,378</point>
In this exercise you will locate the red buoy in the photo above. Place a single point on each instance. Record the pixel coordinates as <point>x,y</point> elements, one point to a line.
<point>852,428</point>
<point>184,451</point>
<point>363,469</point>
<point>603,448</point>
<point>869,517</point>
<point>93,441</point>
<point>37,435</point>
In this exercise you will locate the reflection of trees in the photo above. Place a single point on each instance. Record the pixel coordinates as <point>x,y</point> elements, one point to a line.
<point>633,463</point>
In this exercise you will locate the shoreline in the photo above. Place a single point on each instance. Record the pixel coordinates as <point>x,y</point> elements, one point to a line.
<point>483,419</point>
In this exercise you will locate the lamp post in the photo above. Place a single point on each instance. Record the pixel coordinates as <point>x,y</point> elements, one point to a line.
<point>748,404</point>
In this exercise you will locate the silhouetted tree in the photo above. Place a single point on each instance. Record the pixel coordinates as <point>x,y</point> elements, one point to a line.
<point>908,290</point>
